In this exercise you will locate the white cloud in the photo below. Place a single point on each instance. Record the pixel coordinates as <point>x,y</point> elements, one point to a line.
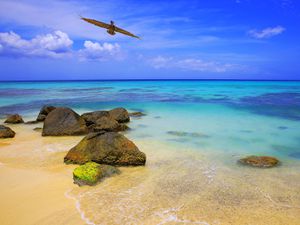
<point>202,66</point>
<point>161,62</point>
<point>192,64</point>
<point>59,41</point>
<point>54,45</point>
<point>97,52</point>
<point>267,32</point>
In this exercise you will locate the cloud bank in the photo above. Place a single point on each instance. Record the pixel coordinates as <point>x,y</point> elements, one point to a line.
<point>55,45</point>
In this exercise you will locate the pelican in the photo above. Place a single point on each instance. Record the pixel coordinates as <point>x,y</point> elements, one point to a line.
<point>111,28</point>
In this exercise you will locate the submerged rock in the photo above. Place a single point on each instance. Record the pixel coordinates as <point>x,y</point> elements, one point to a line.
<point>6,132</point>
<point>119,114</point>
<point>15,118</point>
<point>64,121</point>
<point>260,161</point>
<point>137,114</point>
<point>187,134</point>
<point>44,112</point>
<point>106,148</point>
<point>91,172</point>
<point>295,155</point>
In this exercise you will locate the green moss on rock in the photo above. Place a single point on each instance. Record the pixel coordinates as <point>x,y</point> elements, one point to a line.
<point>91,172</point>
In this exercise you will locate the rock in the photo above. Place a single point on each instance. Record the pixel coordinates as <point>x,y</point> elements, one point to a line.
<point>188,134</point>
<point>106,148</point>
<point>108,124</point>
<point>64,121</point>
<point>260,161</point>
<point>91,117</point>
<point>32,122</point>
<point>44,112</point>
<point>137,114</point>
<point>15,118</point>
<point>38,129</point>
<point>6,132</point>
<point>91,172</point>
<point>119,114</point>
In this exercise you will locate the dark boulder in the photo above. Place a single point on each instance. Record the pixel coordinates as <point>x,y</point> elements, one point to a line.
<point>64,121</point>
<point>6,132</point>
<point>106,148</point>
<point>108,124</point>
<point>260,161</point>
<point>44,112</point>
<point>119,114</point>
<point>15,118</point>
<point>91,117</point>
<point>91,172</point>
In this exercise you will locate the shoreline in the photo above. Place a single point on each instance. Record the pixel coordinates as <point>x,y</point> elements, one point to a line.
<point>178,185</point>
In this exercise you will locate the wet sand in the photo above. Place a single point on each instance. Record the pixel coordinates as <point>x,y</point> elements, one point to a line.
<point>175,187</point>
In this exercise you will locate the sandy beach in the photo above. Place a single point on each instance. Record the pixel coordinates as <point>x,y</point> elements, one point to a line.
<point>182,187</point>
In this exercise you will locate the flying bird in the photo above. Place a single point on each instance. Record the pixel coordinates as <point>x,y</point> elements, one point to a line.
<point>111,28</point>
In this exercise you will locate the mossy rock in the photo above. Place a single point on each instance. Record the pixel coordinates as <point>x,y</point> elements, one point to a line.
<point>91,172</point>
<point>260,161</point>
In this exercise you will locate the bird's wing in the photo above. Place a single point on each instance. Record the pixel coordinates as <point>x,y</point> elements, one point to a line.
<point>117,29</point>
<point>96,22</point>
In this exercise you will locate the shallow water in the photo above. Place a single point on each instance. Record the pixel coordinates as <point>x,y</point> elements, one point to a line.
<point>193,134</point>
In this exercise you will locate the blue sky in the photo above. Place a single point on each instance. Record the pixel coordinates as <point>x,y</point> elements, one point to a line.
<point>224,39</point>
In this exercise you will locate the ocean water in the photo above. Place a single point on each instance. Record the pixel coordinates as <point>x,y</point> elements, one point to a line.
<point>193,134</point>
<point>233,116</point>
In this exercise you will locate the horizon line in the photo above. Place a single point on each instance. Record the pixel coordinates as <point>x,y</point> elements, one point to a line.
<point>179,79</point>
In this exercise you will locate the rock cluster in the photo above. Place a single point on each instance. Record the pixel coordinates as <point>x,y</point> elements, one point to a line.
<point>100,150</point>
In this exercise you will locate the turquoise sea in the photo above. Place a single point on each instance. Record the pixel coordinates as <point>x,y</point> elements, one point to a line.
<point>235,116</point>
<point>193,134</point>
